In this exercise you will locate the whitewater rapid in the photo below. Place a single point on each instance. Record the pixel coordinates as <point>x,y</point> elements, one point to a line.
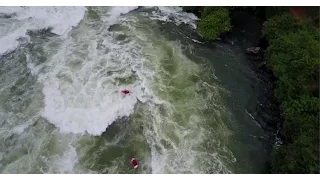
<point>78,119</point>
<point>59,19</point>
<point>85,104</point>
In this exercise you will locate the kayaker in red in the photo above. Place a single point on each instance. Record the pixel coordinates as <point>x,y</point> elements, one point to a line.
<point>134,163</point>
<point>125,92</point>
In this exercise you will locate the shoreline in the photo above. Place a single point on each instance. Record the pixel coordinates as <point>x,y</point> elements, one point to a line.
<point>246,33</point>
<point>288,100</point>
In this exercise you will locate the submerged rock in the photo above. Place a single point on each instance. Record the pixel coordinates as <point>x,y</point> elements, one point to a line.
<point>254,50</point>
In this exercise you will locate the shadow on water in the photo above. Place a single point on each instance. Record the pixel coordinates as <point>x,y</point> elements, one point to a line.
<point>252,136</point>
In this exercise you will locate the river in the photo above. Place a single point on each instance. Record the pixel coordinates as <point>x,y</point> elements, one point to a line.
<point>192,107</point>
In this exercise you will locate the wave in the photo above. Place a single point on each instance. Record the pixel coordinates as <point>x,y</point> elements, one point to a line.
<point>59,19</point>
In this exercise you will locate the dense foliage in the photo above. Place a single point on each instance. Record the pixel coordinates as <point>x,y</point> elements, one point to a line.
<point>293,56</point>
<point>293,59</point>
<point>279,25</point>
<point>214,22</point>
<point>313,13</point>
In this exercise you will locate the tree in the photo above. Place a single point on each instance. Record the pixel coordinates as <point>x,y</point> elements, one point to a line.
<point>293,59</point>
<point>300,157</point>
<point>293,56</point>
<point>302,105</point>
<point>209,10</point>
<point>214,22</point>
<point>279,25</point>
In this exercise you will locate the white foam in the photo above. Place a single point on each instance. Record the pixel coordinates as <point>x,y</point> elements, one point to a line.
<point>8,42</point>
<point>10,10</point>
<point>32,67</point>
<point>88,98</point>
<point>60,19</point>
<point>173,14</point>
<point>158,161</point>
<point>93,119</point>
<point>196,41</point>
<point>66,164</point>
<point>116,12</point>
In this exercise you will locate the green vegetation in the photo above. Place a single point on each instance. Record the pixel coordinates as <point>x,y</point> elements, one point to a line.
<point>214,22</point>
<point>313,13</point>
<point>210,10</point>
<point>279,25</point>
<point>293,59</point>
<point>293,56</point>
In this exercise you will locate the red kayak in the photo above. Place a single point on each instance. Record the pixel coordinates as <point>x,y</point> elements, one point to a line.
<point>134,163</point>
<point>125,92</point>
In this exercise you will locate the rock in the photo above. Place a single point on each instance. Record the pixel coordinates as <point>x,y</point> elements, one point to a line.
<point>255,53</point>
<point>254,50</point>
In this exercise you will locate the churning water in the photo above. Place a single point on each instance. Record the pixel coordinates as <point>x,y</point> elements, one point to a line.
<point>61,110</point>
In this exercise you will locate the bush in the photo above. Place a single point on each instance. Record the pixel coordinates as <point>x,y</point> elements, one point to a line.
<point>214,22</point>
<point>293,56</point>
<point>287,88</point>
<point>302,125</point>
<point>284,24</point>
<point>209,10</point>
<point>303,105</point>
<point>279,25</point>
<point>289,54</point>
<point>308,25</point>
<point>300,157</point>
<point>301,118</point>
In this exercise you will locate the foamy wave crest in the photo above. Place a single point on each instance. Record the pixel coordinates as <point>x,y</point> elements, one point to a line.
<point>60,19</point>
<point>173,14</point>
<point>84,79</point>
<point>115,12</point>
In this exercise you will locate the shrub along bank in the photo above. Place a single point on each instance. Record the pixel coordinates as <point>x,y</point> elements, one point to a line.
<point>293,56</point>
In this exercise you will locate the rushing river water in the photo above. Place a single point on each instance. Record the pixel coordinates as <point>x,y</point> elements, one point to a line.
<point>192,107</point>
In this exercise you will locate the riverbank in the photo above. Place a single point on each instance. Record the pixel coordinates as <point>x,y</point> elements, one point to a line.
<point>246,33</point>
<point>279,114</point>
